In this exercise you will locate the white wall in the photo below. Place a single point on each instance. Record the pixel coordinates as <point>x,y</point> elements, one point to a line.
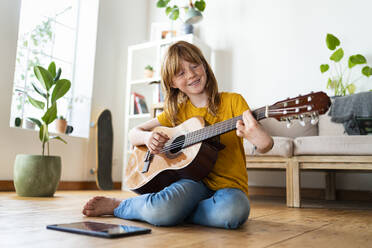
<point>119,25</point>
<point>269,50</point>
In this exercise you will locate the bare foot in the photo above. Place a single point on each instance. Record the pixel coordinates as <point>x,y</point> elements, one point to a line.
<point>100,205</point>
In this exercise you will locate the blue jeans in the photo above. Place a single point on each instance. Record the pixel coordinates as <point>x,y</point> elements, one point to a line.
<point>190,201</point>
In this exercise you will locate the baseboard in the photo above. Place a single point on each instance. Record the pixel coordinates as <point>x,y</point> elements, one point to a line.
<point>317,194</point>
<point>63,185</point>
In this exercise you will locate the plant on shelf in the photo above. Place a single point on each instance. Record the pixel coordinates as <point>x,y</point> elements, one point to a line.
<point>38,175</point>
<point>192,11</point>
<point>149,71</point>
<point>340,77</point>
<point>61,124</point>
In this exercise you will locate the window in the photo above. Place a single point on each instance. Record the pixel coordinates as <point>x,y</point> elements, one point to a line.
<point>49,31</point>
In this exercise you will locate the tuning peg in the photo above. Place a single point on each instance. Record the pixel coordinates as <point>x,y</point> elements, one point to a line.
<point>302,120</point>
<point>289,123</point>
<point>314,119</point>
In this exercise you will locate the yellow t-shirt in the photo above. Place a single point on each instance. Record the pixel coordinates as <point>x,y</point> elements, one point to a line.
<point>230,169</point>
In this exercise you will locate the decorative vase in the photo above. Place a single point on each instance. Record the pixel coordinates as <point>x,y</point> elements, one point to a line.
<point>186,28</point>
<point>36,175</point>
<point>61,125</point>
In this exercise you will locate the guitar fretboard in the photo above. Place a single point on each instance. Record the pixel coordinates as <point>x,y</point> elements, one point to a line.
<point>218,128</point>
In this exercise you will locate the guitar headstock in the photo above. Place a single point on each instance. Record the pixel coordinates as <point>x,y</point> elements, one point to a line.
<point>311,105</point>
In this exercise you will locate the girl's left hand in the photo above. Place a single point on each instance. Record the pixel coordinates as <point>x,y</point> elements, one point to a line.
<point>250,129</point>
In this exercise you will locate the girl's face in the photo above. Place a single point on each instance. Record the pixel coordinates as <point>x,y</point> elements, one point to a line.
<point>191,78</point>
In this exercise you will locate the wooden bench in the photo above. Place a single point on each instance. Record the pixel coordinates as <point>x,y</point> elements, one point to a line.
<point>294,165</point>
<point>274,163</point>
<point>325,163</point>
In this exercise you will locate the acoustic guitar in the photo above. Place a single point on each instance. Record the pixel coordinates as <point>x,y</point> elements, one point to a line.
<point>192,149</point>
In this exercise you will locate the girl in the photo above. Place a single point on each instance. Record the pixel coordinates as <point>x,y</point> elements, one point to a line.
<point>220,199</point>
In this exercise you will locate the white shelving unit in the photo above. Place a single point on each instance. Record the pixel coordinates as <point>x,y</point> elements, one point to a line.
<point>139,56</point>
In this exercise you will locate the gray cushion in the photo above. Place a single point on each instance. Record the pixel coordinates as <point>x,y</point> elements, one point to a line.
<point>283,147</point>
<point>279,128</point>
<point>333,145</point>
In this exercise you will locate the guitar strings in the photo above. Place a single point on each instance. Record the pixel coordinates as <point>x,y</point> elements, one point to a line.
<point>231,123</point>
<point>220,127</point>
<point>205,134</point>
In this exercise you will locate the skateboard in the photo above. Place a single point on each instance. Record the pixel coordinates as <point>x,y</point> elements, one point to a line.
<point>104,149</point>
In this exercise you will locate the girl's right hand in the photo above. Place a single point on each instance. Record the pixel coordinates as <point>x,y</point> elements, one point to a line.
<point>155,141</point>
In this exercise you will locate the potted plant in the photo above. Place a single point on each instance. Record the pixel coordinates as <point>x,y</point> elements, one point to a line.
<point>341,78</point>
<point>173,11</point>
<point>38,175</point>
<point>192,13</point>
<point>149,71</point>
<point>61,124</point>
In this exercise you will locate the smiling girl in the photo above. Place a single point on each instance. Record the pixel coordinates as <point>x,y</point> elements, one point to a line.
<point>221,198</point>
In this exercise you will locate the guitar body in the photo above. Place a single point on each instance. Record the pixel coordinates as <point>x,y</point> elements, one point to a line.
<point>193,162</point>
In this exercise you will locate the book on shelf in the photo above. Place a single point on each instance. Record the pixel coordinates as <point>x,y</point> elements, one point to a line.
<point>158,93</point>
<point>139,104</point>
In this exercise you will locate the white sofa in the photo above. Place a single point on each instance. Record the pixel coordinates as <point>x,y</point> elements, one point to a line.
<point>324,146</point>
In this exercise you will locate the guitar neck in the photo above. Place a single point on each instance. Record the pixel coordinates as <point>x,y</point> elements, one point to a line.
<point>219,128</point>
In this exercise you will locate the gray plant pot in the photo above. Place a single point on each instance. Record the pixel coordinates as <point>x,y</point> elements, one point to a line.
<point>36,175</point>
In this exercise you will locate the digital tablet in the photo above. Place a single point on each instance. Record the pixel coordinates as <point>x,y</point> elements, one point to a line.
<point>100,229</point>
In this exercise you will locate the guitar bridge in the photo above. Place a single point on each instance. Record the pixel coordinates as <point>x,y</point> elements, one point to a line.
<point>146,162</point>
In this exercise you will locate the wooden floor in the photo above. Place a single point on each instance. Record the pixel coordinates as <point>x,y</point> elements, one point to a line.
<point>271,224</point>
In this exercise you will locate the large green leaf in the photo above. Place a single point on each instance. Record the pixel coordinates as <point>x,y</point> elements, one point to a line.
<point>39,91</point>
<point>61,88</point>
<point>58,138</point>
<point>52,69</point>
<point>324,68</point>
<point>337,55</point>
<point>200,5</point>
<point>44,77</point>
<point>43,133</point>
<point>367,71</point>
<point>357,59</point>
<point>175,13</point>
<point>168,10</point>
<point>162,3</point>
<point>36,103</point>
<point>36,121</point>
<point>50,115</point>
<point>332,41</point>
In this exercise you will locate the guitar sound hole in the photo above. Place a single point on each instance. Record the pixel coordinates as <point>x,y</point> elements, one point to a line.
<point>177,144</point>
